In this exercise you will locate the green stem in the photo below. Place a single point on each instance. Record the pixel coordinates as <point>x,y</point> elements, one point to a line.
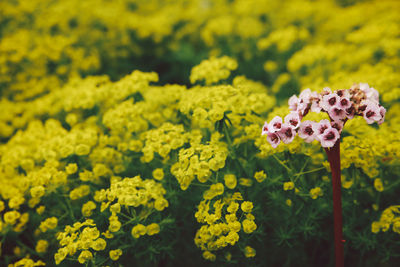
<point>283,164</point>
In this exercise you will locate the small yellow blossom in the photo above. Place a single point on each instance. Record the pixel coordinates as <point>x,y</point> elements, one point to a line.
<point>153,229</point>
<point>41,246</point>
<point>260,176</point>
<point>288,186</point>
<point>158,174</point>
<point>230,181</point>
<point>249,252</point>
<point>115,254</point>
<point>316,192</point>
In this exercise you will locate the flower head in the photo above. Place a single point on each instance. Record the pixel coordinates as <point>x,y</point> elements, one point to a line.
<point>308,131</point>
<point>341,105</point>
<point>329,137</point>
<point>287,133</point>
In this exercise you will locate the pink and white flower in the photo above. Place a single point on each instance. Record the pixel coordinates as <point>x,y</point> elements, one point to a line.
<point>293,102</point>
<point>382,111</point>
<point>287,133</point>
<point>329,101</point>
<point>371,93</point>
<point>336,113</point>
<point>350,112</point>
<point>305,96</point>
<point>372,112</point>
<point>329,137</point>
<point>293,120</point>
<point>275,124</point>
<point>265,129</point>
<point>273,139</point>
<point>315,106</point>
<point>322,126</point>
<point>338,125</point>
<point>345,102</point>
<point>307,131</point>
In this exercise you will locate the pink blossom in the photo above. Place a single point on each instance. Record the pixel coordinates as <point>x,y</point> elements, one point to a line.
<point>287,133</point>
<point>315,107</point>
<point>344,102</point>
<point>305,96</point>
<point>350,112</point>
<point>293,102</point>
<point>336,113</point>
<point>293,120</point>
<point>265,129</point>
<point>329,101</point>
<point>329,137</point>
<point>327,90</point>
<point>343,93</point>
<point>322,126</point>
<point>273,139</point>
<point>338,125</point>
<point>371,93</point>
<point>307,131</point>
<point>382,111</point>
<point>372,112</point>
<point>275,124</point>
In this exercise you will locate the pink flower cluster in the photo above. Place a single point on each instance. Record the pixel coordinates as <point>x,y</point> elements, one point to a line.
<point>341,105</point>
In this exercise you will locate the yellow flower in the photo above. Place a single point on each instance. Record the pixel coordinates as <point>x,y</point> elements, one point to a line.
<point>71,168</point>
<point>158,174</point>
<point>37,191</point>
<point>230,181</point>
<point>41,246</point>
<point>82,149</point>
<point>87,208</point>
<point>209,256</point>
<point>316,192</point>
<point>246,206</point>
<point>375,227</point>
<point>138,230</point>
<point>11,217</point>
<point>288,186</point>
<point>378,185</point>
<point>260,176</point>
<point>99,244</point>
<point>115,254</point>
<point>249,226</point>
<point>85,256</point>
<point>153,229</point>
<point>249,252</point>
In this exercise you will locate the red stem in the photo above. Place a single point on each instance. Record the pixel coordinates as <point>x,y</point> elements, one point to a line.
<point>334,161</point>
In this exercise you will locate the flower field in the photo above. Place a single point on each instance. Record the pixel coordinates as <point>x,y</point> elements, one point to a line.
<point>150,132</point>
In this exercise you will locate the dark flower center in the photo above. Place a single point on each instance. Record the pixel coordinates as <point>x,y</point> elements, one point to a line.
<point>330,136</point>
<point>293,122</point>
<point>344,102</point>
<point>277,125</point>
<point>370,113</point>
<point>322,129</point>
<point>332,101</point>
<point>265,129</point>
<point>350,110</point>
<point>309,130</point>
<point>288,132</point>
<point>274,138</point>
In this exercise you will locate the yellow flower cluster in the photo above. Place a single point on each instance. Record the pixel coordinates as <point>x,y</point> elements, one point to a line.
<point>140,229</point>
<point>213,70</point>
<point>218,230</point>
<point>390,217</point>
<point>132,192</point>
<point>79,237</point>
<point>199,161</point>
